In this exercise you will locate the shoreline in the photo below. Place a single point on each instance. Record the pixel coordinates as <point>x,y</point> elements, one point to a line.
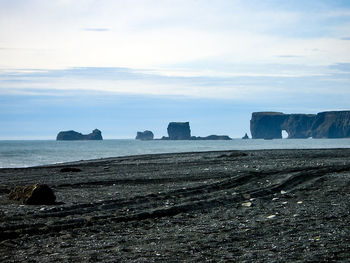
<point>29,154</point>
<point>102,159</point>
<point>242,205</point>
<point>94,160</point>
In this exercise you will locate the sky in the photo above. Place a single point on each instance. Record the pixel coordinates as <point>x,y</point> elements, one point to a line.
<point>127,66</point>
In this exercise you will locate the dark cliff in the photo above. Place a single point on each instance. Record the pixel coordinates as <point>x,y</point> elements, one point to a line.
<point>74,136</point>
<point>269,125</point>
<point>331,124</point>
<point>144,136</point>
<point>298,126</point>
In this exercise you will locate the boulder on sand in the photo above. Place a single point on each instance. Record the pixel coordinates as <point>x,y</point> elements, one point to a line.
<point>36,194</point>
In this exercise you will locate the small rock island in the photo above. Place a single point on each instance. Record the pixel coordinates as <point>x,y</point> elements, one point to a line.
<point>245,137</point>
<point>76,136</point>
<point>144,136</point>
<point>211,137</point>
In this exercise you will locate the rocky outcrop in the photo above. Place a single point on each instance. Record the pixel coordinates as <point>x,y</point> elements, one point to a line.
<point>73,135</point>
<point>182,131</point>
<point>144,136</point>
<point>36,194</point>
<point>179,131</point>
<point>245,137</point>
<point>269,125</point>
<point>212,137</point>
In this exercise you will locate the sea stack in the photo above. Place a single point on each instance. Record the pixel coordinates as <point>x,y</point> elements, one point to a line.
<point>179,131</point>
<point>182,131</point>
<point>144,136</point>
<point>73,135</point>
<point>245,137</point>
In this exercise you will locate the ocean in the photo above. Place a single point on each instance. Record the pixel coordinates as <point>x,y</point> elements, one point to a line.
<point>28,153</point>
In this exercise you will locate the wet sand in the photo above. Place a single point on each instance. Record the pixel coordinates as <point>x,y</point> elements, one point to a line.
<point>227,206</point>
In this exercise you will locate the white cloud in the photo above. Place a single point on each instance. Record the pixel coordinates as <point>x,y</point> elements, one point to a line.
<point>239,86</point>
<point>222,39</point>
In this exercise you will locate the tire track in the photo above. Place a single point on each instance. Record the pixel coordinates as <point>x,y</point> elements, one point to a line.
<point>152,206</point>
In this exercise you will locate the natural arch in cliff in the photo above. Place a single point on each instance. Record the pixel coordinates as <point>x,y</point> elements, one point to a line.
<point>285,134</point>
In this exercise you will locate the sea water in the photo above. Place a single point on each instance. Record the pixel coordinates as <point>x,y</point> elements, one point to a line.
<point>34,153</point>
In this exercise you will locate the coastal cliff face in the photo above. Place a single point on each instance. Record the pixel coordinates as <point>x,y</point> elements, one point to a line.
<point>144,136</point>
<point>74,136</point>
<point>179,131</point>
<point>298,126</point>
<point>331,124</point>
<point>269,125</point>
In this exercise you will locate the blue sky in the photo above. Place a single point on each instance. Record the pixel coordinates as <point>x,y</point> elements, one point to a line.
<point>126,66</point>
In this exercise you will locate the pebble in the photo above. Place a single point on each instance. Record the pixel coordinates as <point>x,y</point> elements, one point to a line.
<point>247,204</point>
<point>271,216</point>
<point>246,196</point>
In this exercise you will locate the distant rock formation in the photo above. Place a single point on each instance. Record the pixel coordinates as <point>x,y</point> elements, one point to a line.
<point>182,131</point>
<point>212,137</point>
<point>245,137</point>
<point>73,135</point>
<point>144,136</point>
<point>179,131</point>
<point>269,125</point>
<point>36,194</point>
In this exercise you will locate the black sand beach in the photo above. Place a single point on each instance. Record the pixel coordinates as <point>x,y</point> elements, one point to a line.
<point>229,206</point>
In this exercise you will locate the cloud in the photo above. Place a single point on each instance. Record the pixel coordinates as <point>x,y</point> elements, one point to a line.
<point>152,34</point>
<point>289,56</point>
<point>242,86</point>
<point>96,29</point>
<point>343,67</point>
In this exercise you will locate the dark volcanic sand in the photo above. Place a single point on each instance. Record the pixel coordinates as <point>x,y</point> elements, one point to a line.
<point>188,207</point>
